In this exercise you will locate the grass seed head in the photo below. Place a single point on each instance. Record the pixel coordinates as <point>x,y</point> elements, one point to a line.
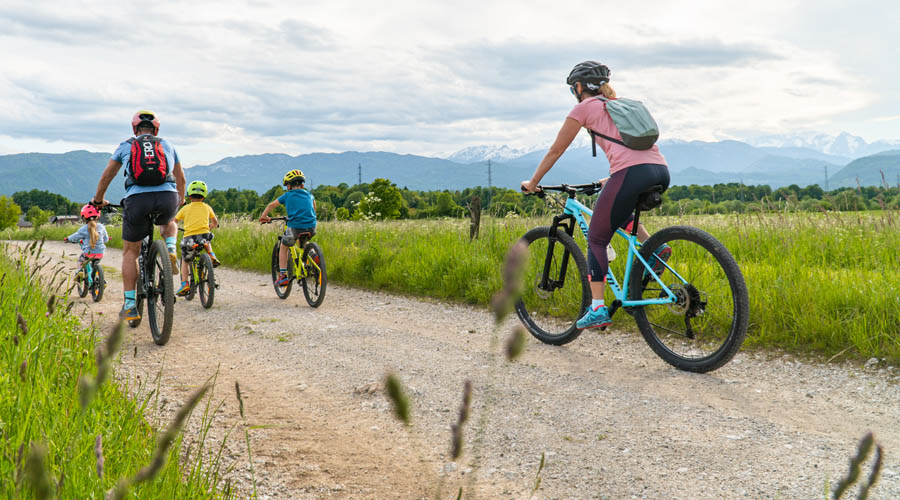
<point>37,473</point>
<point>515,345</point>
<point>22,324</point>
<point>397,396</point>
<point>503,301</point>
<point>98,452</point>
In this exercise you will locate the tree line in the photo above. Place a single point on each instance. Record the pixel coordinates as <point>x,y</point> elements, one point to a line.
<point>382,199</point>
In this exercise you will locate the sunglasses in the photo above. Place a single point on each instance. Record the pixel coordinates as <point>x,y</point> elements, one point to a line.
<point>572,89</point>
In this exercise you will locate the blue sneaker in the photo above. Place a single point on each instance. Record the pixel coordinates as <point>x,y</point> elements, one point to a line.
<point>662,254</point>
<point>595,318</point>
<point>130,314</point>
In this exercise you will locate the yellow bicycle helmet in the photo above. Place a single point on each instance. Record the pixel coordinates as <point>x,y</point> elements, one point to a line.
<point>293,177</point>
<point>197,187</point>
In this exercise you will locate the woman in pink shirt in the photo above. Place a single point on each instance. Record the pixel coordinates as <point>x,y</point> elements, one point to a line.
<point>631,173</point>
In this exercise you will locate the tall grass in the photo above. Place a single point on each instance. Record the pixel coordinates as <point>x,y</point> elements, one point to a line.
<point>64,433</point>
<point>818,282</point>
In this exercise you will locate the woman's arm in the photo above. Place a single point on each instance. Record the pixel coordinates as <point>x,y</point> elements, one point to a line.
<point>564,138</point>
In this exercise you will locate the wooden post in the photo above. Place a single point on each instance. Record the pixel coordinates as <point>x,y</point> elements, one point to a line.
<point>475,215</point>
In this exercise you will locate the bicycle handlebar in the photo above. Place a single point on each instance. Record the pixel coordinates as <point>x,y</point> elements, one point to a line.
<point>570,189</point>
<point>273,219</point>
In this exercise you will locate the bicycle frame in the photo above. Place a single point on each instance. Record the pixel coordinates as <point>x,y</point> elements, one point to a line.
<point>574,211</point>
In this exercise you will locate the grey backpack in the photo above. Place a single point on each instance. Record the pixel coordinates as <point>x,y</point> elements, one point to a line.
<point>636,126</point>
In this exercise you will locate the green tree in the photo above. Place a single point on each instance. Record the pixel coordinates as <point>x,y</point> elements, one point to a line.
<point>37,216</point>
<point>382,202</point>
<point>342,214</point>
<point>9,212</point>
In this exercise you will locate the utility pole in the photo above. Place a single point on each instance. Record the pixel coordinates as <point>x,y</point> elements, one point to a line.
<point>826,178</point>
<point>742,190</point>
<point>489,173</point>
<point>359,172</point>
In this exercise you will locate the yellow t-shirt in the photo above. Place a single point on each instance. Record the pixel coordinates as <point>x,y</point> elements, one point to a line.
<point>195,215</point>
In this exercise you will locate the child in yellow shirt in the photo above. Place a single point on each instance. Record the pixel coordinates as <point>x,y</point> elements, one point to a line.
<point>198,217</point>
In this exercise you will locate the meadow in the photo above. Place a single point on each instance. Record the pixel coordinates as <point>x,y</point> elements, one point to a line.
<point>64,433</point>
<point>821,283</point>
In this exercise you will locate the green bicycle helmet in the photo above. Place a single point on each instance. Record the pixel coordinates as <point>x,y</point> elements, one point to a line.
<point>197,188</point>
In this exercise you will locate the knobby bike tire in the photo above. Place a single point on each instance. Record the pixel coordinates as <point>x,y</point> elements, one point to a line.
<point>316,279</point>
<point>207,285</point>
<point>708,267</point>
<point>559,311</point>
<point>98,284</point>
<point>282,292</point>
<point>161,293</point>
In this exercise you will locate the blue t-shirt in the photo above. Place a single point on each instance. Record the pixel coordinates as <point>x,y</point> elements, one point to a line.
<point>84,236</point>
<point>300,211</point>
<point>123,156</point>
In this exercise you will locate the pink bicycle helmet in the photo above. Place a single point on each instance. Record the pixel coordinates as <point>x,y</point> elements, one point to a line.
<point>89,211</point>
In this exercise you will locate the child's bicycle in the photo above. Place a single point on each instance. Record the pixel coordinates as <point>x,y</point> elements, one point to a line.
<point>693,314</point>
<point>89,278</point>
<point>154,285</point>
<point>307,267</point>
<point>201,276</point>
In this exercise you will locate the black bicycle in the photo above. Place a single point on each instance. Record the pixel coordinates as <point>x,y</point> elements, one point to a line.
<point>201,277</point>
<point>154,285</point>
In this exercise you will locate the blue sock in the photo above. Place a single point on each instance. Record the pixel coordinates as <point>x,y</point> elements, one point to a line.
<point>87,271</point>
<point>170,244</point>
<point>596,304</point>
<point>129,299</point>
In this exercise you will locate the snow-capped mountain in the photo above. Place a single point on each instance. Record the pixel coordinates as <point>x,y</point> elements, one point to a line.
<point>843,144</point>
<point>474,154</point>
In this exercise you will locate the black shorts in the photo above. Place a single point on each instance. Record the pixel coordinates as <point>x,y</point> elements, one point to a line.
<point>188,242</point>
<point>292,234</point>
<point>135,223</point>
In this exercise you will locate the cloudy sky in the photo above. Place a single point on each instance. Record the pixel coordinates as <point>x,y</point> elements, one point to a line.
<point>422,77</point>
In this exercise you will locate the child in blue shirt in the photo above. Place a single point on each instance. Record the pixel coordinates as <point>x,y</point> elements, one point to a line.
<point>301,218</point>
<point>92,236</point>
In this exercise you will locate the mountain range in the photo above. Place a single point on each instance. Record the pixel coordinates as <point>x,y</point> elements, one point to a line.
<point>774,161</point>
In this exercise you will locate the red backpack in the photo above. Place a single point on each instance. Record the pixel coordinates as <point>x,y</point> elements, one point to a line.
<point>148,161</point>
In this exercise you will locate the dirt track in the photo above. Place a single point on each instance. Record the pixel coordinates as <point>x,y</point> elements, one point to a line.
<point>613,420</point>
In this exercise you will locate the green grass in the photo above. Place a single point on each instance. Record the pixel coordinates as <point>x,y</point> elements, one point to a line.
<point>40,406</point>
<point>818,283</point>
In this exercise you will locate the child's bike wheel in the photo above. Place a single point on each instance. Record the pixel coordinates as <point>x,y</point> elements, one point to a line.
<point>706,326</point>
<point>97,283</point>
<point>316,277</point>
<point>282,291</point>
<point>207,285</point>
<point>81,285</point>
<point>192,285</point>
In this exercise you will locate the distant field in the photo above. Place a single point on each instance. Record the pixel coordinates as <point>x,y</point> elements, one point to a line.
<point>818,282</point>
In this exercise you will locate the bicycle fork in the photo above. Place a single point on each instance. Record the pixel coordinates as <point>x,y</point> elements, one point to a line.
<point>547,284</point>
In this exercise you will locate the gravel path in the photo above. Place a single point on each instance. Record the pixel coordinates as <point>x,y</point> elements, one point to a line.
<point>612,420</point>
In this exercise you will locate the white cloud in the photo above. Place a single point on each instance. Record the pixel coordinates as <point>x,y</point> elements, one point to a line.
<point>232,78</point>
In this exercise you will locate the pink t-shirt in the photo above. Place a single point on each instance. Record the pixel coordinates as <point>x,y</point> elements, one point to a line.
<point>591,114</point>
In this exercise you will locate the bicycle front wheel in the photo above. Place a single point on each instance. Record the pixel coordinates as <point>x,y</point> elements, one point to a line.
<point>207,285</point>
<point>550,309</point>
<point>97,282</point>
<point>160,293</point>
<point>81,285</point>
<point>316,277</point>
<point>283,291</point>
<point>707,324</point>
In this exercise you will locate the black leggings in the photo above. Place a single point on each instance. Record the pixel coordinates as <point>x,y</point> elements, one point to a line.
<point>615,209</point>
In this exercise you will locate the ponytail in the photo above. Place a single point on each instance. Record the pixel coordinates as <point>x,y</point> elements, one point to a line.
<point>607,91</point>
<point>92,228</point>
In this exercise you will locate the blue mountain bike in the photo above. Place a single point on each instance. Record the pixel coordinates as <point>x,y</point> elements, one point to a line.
<point>693,314</point>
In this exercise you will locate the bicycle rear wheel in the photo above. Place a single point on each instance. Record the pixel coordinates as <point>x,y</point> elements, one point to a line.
<point>207,284</point>
<point>285,290</point>
<point>706,326</point>
<point>160,293</point>
<point>97,282</point>
<point>316,277</point>
<point>192,285</point>
<point>550,312</point>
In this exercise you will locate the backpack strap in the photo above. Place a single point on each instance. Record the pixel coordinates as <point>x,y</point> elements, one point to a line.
<point>608,138</point>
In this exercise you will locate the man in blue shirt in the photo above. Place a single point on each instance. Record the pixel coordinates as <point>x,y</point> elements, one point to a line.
<point>154,182</point>
<point>301,218</point>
